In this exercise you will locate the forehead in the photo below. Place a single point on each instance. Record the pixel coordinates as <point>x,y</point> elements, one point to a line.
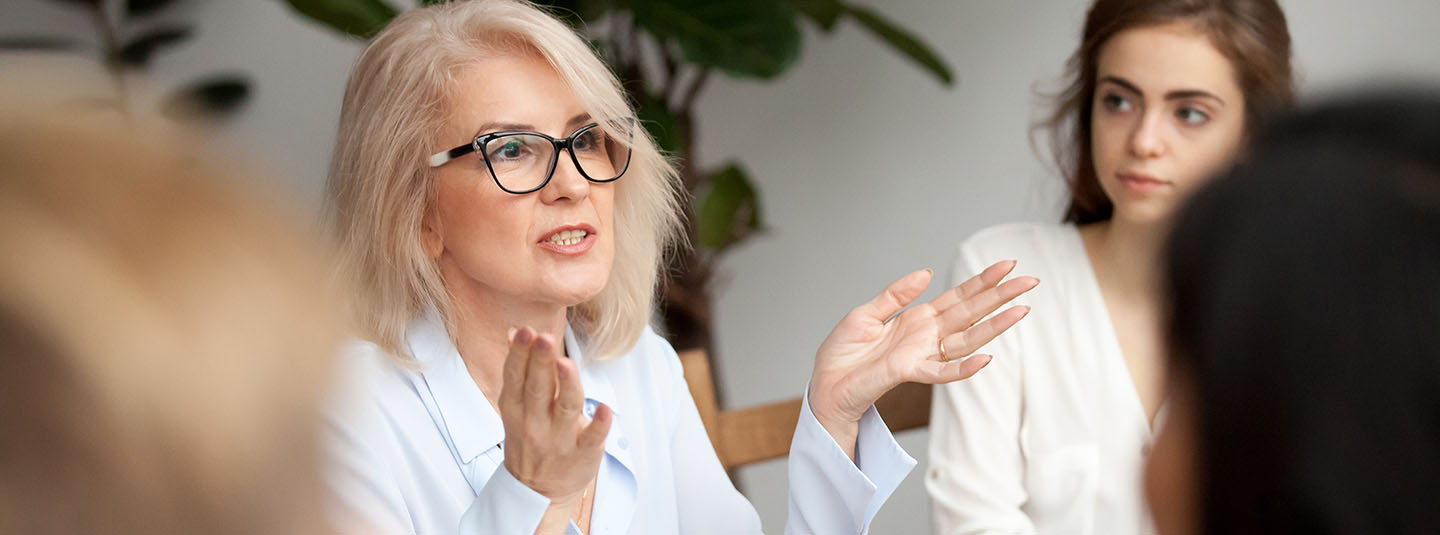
<point>1167,57</point>
<point>519,89</point>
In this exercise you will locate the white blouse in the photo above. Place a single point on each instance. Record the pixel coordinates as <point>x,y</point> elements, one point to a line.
<point>1051,436</point>
<point>421,451</point>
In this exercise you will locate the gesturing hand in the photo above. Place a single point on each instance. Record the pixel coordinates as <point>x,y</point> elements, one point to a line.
<point>865,356</point>
<point>548,445</point>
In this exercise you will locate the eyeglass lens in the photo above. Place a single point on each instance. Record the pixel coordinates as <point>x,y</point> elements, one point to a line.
<point>524,162</point>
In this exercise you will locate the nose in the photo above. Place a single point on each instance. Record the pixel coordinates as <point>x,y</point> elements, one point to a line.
<point>1146,141</point>
<point>567,184</point>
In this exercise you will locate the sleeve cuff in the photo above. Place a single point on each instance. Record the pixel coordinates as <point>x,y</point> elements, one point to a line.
<point>505,505</point>
<point>828,492</point>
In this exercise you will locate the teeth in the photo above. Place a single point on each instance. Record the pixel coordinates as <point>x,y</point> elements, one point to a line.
<point>568,237</point>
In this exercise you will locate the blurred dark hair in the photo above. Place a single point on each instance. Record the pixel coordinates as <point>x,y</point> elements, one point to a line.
<point>1252,34</point>
<point>1305,314</point>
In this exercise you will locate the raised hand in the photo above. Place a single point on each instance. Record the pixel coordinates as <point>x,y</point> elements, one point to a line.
<point>549,446</point>
<point>870,352</point>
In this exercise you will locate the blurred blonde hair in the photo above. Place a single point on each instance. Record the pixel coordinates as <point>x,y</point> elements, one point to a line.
<point>164,341</point>
<point>380,184</point>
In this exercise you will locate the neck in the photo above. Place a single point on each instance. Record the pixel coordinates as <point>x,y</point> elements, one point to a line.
<point>1126,256</point>
<point>483,319</point>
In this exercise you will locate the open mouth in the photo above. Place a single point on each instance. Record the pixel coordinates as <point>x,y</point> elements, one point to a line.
<point>568,237</point>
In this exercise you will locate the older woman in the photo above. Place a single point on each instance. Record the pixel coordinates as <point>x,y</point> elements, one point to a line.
<point>491,186</point>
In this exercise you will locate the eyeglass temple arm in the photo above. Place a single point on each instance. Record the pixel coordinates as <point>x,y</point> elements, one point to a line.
<point>441,158</point>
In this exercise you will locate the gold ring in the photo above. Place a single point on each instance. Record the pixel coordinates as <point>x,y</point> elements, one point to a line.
<point>942,350</point>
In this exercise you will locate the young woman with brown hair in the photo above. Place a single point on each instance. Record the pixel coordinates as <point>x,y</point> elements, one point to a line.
<point>1051,438</point>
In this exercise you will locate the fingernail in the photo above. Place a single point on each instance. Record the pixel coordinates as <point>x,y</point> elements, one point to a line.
<point>1024,310</point>
<point>510,335</point>
<point>930,271</point>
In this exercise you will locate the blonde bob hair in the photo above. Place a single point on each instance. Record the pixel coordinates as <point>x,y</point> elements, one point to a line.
<point>380,185</point>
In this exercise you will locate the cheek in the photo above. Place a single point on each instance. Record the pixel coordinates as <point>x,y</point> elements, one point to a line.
<point>1213,153</point>
<point>1108,136</point>
<point>603,199</point>
<point>478,223</point>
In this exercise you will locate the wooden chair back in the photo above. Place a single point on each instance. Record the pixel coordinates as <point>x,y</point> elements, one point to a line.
<point>760,433</point>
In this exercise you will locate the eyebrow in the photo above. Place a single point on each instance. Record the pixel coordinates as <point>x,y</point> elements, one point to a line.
<point>1178,94</point>
<point>501,126</point>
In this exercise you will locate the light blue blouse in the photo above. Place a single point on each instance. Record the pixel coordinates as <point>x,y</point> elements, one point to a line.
<point>419,450</point>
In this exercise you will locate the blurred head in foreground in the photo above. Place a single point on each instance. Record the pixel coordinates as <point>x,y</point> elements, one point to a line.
<point>1305,332</point>
<point>164,339</point>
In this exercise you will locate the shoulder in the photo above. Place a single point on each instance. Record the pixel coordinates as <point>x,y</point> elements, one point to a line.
<point>1017,239</point>
<point>655,353</point>
<point>1035,246</point>
<point>363,364</point>
<point>371,383</point>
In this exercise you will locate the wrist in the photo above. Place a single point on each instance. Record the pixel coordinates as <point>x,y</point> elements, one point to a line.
<point>829,405</point>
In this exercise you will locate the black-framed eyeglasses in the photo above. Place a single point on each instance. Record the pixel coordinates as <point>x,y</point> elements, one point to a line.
<point>523,162</point>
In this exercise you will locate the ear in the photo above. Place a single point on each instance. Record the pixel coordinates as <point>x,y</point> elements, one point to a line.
<point>432,240</point>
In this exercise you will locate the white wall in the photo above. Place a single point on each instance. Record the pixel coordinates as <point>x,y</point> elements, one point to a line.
<point>867,168</point>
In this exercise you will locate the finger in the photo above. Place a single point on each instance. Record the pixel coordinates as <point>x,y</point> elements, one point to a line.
<point>967,312</point>
<point>895,296</point>
<point>516,364</point>
<point>540,379</point>
<point>936,372</point>
<point>570,398</point>
<point>969,340</point>
<point>592,437</point>
<point>982,281</point>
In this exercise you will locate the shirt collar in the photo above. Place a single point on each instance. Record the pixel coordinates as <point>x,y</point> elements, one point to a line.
<point>468,418</point>
<point>592,377</point>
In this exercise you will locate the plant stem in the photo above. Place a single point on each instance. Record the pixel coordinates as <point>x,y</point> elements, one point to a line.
<point>618,60</point>
<point>691,94</point>
<point>672,70</point>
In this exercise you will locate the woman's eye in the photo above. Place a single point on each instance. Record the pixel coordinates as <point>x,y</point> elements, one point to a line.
<point>1116,103</point>
<point>1192,116</point>
<point>509,150</point>
<point>586,141</point>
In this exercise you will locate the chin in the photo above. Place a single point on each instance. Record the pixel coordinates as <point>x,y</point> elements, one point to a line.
<point>1154,211</point>
<point>574,289</point>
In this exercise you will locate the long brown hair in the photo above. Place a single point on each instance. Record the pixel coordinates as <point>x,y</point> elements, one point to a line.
<point>1252,34</point>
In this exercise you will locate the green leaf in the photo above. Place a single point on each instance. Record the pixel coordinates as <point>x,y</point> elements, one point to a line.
<point>824,13</point>
<point>729,210</point>
<point>141,8</point>
<point>209,98</point>
<point>37,43</point>
<point>903,41</point>
<point>661,124</point>
<point>137,53</point>
<point>359,18</point>
<point>743,38</point>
